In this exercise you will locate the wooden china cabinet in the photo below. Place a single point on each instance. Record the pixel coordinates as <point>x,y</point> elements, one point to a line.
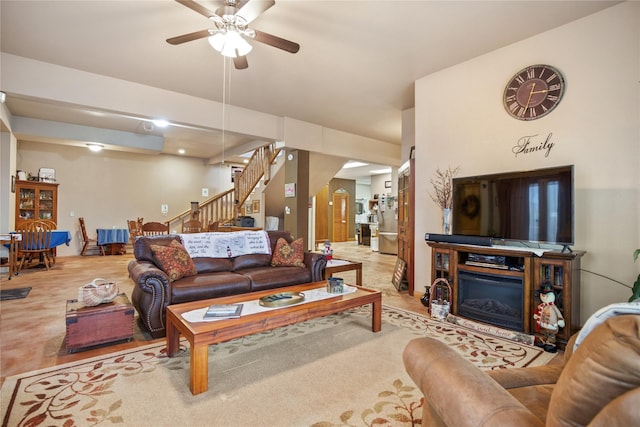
<point>36,200</point>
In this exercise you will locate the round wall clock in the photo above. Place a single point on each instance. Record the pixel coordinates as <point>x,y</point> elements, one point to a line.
<point>533,92</point>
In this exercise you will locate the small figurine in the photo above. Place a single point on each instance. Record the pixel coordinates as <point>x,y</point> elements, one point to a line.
<point>327,251</point>
<point>548,319</point>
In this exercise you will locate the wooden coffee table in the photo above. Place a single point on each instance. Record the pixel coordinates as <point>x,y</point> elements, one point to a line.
<point>202,334</point>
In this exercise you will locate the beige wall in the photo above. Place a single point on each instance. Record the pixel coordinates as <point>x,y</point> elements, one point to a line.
<point>110,187</point>
<point>460,121</point>
<point>7,167</point>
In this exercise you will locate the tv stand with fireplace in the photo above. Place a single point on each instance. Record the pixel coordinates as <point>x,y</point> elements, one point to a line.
<point>499,286</point>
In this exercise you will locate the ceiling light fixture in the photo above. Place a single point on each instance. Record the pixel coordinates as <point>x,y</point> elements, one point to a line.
<point>230,43</point>
<point>228,39</point>
<point>160,123</point>
<point>95,147</point>
<point>380,171</point>
<point>181,151</point>
<point>353,164</point>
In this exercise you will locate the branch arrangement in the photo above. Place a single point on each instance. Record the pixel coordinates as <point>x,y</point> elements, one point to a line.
<point>443,188</point>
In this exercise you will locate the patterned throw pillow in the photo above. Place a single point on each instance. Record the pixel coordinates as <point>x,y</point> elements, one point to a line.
<point>290,255</point>
<point>174,260</point>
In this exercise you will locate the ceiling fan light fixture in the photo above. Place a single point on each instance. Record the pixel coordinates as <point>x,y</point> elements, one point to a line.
<point>230,43</point>
<point>217,41</point>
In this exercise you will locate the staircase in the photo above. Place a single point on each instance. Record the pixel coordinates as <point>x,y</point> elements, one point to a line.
<point>225,207</point>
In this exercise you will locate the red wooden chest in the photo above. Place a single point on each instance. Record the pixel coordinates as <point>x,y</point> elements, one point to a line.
<point>102,324</point>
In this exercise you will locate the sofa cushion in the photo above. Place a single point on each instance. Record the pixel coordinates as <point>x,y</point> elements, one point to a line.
<point>212,265</point>
<point>604,366</point>
<point>251,261</point>
<point>274,235</point>
<point>142,246</point>
<point>211,285</point>
<point>275,277</point>
<point>288,254</point>
<point>174,260</point>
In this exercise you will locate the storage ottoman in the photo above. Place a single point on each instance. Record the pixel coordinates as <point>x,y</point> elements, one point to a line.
<point>102,324</point>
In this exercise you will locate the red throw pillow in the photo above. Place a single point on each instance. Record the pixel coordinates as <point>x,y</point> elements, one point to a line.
<point>174,260</point>
<point>289,255</point>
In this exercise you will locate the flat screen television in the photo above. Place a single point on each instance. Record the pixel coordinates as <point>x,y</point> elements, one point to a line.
<point>531,206</point>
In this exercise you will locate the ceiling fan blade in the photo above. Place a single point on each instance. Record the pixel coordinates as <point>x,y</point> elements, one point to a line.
<point>240,62</point>
<point>197,7</point>
<point>275,41</point>
<point>254,8</point>
<point>189,37</point>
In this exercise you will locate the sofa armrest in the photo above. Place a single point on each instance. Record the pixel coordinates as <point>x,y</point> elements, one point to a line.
<point>526,377</point>
<point>316,263</point>
<point>457,393</point>
<point>538,375</point>
<point>151,295</point>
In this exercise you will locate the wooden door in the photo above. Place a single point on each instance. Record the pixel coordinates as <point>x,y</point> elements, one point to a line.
<point>340,217</point>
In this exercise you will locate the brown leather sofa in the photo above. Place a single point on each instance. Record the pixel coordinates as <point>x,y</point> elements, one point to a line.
<point>596,385</point>
<point>217,277</point>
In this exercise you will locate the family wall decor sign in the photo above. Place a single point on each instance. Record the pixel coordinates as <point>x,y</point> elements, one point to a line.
<point>530,144</point>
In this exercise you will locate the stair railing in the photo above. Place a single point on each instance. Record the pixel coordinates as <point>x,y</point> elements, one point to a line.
<point>225,207</point>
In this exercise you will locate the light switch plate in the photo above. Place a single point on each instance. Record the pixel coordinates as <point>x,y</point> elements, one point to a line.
<point>205,192</point>
<point>164,209</point>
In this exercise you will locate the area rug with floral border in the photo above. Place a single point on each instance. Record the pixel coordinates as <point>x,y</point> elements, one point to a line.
<point>330,371</point>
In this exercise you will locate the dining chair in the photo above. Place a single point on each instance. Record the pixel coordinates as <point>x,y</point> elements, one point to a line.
<point>36,240</point>
<point>213,226</point>
<point>135,229</point>
<point>155,228</point>
<point>192,226</point>
<point>54,226</point>
<point>51,223</point>
<point>86,239</point>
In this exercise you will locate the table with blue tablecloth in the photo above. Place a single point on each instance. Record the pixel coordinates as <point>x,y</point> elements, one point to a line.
<point>113,240</point>
<point>58,237</point>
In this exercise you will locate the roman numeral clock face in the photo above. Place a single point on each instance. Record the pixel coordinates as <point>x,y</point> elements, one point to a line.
<point>533,92</point>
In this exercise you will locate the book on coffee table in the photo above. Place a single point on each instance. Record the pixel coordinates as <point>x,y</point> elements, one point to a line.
<point>223,310</point>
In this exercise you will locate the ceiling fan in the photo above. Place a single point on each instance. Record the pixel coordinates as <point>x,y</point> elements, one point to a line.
<point>231,20</point>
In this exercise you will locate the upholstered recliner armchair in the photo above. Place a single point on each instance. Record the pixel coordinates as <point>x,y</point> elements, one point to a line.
<point>596,385</point>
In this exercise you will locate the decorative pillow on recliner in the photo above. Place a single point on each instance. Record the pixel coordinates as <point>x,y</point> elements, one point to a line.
<point>174,260</point>
<point>288,255</point>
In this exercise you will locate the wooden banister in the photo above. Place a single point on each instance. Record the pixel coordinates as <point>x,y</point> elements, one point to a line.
<point>225,207</point>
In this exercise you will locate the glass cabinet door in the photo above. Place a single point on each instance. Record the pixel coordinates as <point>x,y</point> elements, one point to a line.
<point>441,264</point>
<point>27,203</point>
<point>45,208</point>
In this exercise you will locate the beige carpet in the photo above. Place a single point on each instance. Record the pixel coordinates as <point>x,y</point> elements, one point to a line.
<point>331,371</point>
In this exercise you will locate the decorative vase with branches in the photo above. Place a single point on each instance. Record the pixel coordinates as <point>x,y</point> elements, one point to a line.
<point>442,194</point>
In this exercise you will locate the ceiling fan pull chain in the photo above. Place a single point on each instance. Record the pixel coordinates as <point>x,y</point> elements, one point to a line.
<point>224,102</point>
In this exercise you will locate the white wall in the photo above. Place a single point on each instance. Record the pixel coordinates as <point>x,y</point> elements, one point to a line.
<point>378,184</point>
<point>110,187</point>
<point>460,121</point>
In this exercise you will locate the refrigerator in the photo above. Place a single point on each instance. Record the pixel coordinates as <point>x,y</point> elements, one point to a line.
<point>388,224</point>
